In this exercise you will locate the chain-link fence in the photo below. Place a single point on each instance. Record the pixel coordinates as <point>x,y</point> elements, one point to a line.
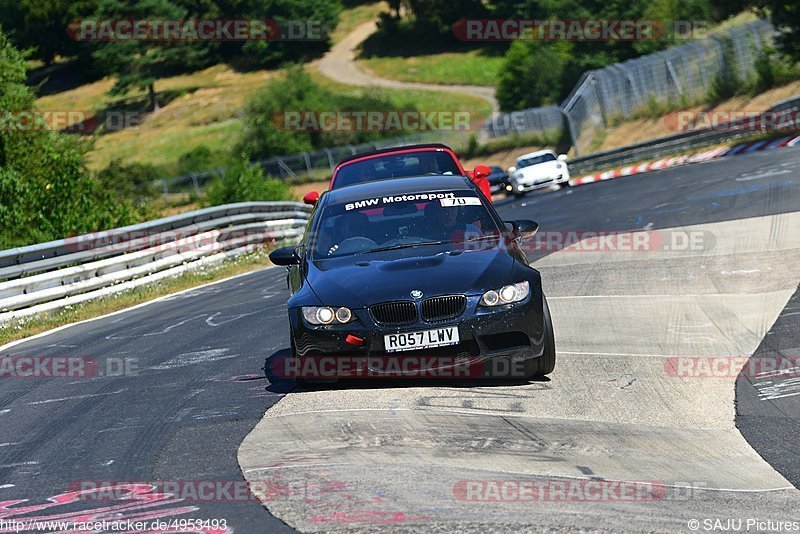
<point>544,119</point>
<point>681,74</point>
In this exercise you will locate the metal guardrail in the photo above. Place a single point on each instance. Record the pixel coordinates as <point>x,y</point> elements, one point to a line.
<point>61,247</point>
<point>782,113</point>
<point>52,275</point>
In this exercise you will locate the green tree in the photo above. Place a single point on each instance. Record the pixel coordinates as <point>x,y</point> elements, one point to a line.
<point>292,16</point>
<point>42,26</point>
<point>786,18</point>
<point>267,132</point>
<point>443,13</point>
<point>532,75</point>
<point>244,182</point>
<point>45,190</point>
<point>197,159</point>
<point>129,180</point>
<point>667,11</point>
<point>138,64</point>
<point>264,134</point>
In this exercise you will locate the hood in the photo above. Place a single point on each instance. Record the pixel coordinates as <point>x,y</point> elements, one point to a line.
<point>363,280</point>
<point>542,170</point>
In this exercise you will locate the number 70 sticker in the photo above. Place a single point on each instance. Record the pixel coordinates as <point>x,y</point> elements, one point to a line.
<point>460,201</point>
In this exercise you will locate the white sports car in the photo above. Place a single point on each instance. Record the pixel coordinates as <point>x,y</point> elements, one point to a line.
<point>537,170</point>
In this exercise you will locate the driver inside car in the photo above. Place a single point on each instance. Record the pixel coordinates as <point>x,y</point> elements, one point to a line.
<point>352,225</point>
<point>442,220</point>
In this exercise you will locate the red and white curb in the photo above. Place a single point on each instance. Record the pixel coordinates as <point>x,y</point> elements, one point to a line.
<point>743,148</point>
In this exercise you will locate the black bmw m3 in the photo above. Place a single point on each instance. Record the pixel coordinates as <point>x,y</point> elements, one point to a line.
<point>420,272</point>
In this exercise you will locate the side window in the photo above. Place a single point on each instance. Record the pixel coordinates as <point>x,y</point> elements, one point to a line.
<point>307,233</point>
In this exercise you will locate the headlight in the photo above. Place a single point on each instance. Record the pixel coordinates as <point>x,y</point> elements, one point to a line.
<point>558,165</point>
<point>327,315</point>
<point>343,315</point>
<point>506,295</point>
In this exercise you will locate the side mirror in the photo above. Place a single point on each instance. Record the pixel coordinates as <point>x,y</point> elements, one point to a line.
<point>562,157</point>
<point>284,256</point>
<point>523,228</point>
<point>481,171</point>
<point>311,198</point>
<point>511,170</point>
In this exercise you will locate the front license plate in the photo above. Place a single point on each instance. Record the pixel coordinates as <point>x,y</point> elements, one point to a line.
<point>426,339</point>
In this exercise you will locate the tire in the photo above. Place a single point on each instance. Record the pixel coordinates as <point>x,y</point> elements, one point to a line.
<point>310,381</point>
<point>275,369</point>
<point>544,364</point>
<point>292,353</point>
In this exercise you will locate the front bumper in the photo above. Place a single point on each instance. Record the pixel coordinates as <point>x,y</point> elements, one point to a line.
<point>525,186</point>
<point>498,187</point>
<point>512,332</point>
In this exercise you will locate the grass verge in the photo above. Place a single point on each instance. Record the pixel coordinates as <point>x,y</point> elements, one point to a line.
<point>96,308</point>
<point>659,122</point>
<point>350,18</point>
<point>419,99</point>
<point>202,110</point>
<point>449,68</point>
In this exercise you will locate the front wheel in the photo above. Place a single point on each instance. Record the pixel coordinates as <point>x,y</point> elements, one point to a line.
<point>544,364</point>
<point>310,380</point>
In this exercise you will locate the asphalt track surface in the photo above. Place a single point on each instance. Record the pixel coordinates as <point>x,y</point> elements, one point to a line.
<point>367,456</point>
<point>768,403</point>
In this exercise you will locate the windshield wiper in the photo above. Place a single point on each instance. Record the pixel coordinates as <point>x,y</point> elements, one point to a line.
<point>398,246</point>
<point>482,237</point>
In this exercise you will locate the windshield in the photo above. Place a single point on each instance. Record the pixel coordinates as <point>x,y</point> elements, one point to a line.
<point>406,221</point>
<point>527,162</point>
<point>417,163</point>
